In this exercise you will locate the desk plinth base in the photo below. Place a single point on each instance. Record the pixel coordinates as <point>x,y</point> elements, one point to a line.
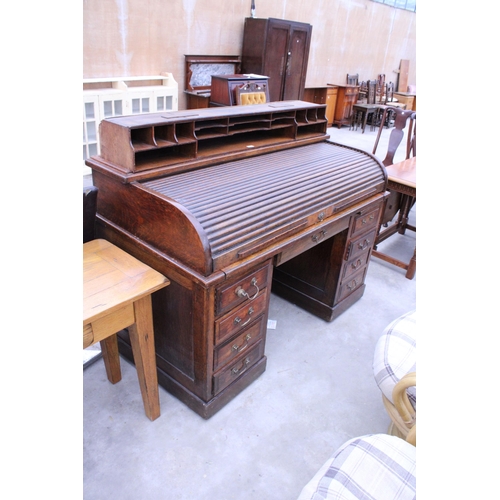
<point>315,307</point>
<point>205,409</point>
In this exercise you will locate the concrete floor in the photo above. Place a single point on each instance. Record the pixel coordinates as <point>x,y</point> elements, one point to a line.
<point>317,392</point>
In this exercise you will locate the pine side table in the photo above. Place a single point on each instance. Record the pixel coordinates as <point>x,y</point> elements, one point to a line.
<point>117,292</point>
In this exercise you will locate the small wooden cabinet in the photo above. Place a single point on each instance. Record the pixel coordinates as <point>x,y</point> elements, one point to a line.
<point>410,100</point>
<point>323,95</point>
<point>347,96</point>
<point>222,91</point>
<point>278,49</point>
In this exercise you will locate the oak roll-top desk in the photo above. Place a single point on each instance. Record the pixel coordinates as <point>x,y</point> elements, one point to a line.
<point>229,203</point>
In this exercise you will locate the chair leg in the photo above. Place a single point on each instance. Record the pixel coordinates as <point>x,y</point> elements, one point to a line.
<point>143,349</point>
<point>111,357</point>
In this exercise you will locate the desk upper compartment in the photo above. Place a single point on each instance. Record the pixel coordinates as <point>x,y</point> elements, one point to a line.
<point>239,204</point>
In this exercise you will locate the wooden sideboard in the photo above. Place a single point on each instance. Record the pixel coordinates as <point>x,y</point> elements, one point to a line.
<point>347,96</point>
<point>231,203</point>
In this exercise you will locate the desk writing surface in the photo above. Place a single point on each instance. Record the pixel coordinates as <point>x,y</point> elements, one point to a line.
<point>404,172</point>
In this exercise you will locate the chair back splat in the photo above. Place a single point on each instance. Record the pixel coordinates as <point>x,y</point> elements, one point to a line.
<point>402,117</point>
<point>371,92</point>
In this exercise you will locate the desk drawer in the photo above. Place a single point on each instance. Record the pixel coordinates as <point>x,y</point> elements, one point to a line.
<point>227,296</point>
<point>235,370</point>
<point>352,283</point>
<point>321,233</point>
<point>351,91</point>
<point>237,320</point>
<point>364,222</point>
<point>242,342</point>
<point>358,246</point>
<point>355,265</point>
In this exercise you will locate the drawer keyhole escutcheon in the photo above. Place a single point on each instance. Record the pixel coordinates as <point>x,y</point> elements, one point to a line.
<point>242,293</point>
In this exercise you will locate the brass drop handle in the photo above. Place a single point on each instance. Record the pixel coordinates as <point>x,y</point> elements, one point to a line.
<point>245,364</point>
<point>370,218</point>
<point>357,264</point>
<point>352,285</point>
<point>241,293</point>
<point>319,236</point>
<point>239,348</point>
<point>238,320</point>
<point>365,244</point>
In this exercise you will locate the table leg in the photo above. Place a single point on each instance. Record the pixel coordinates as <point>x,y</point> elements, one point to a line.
<point>412,266</point>
<point>111,358</point>
<point>365,117</point>
<point>143,349</point>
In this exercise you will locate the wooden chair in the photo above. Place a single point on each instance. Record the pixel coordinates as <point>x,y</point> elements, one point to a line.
<point>362,112</point>
<point>251,93</point>
<point>401,118</point>
<point>380,87</point>
<point>352,79</point>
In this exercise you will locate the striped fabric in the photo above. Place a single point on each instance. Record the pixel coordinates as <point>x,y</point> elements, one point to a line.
<point>373,467</point>
<point>395,355</point>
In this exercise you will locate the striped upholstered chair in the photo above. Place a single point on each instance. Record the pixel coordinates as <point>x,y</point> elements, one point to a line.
<point>373,467</point>
<point>395,371</point>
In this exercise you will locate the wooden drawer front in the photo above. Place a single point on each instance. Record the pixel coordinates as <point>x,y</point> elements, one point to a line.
<point>242,342</point>
<point>352,283</point>
<point>238,367</point>
<point>355,265</point>
<point>231,295</point>
<point>320,234</point>
<point>237,320</point>
<point>366,221</point>
<point>351,91</point>
<point>360,245</point>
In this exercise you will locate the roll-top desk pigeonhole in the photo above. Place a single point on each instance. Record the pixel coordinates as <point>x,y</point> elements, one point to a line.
<point>231,203</point>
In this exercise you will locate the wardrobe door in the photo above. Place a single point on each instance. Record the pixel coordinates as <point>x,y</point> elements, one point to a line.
<point>275,63</point>
<point>296,66</point>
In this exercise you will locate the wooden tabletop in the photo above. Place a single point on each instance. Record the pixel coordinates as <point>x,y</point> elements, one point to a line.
<point>404,172</point>
<point>112,279</point>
